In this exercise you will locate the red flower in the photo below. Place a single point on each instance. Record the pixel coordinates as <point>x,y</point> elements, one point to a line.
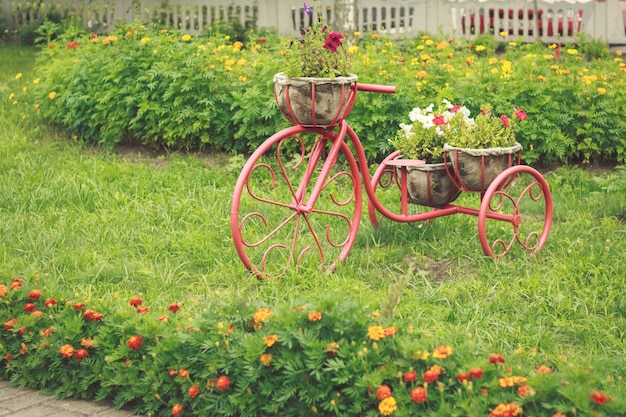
<point>261,40</point>
<point>432,374</point>
<point>463,376</point>
<point>135,301</point>
<point>172,372</point>
<point>410,376</point>
<point>46,332</point>
<point>135,342</point>
<point>16,284</point>
<point>223,382</point>
<point>496,359</point>
<point>142,310</point>
<point>177,410</point>
<point>35,294</point>
<point>10,323</point>
<point>174,307</point>
<point>8,357</point>
<point>390,331</point>
<point>476,373</point>
<point>194,391</point>
<point>50,302</point>
<point>28,307</point>
<point>67,351</point>
<point>419,395</point>
<point>505,120</point>
<point>383,392</point>
<point>599,398</point>
<point>92,315</point>
<point>37,314</point>
<point>521,114</point>
<point>81,354</point>
<point>72,45</point>
<point>79,306</point>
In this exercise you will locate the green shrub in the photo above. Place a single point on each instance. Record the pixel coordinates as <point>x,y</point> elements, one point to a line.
<point>333,357</point>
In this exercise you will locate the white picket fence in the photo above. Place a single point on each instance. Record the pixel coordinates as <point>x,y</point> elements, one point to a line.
<point>547,20</point>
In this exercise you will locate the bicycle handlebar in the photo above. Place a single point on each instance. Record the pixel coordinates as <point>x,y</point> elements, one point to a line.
<point>374,88</point>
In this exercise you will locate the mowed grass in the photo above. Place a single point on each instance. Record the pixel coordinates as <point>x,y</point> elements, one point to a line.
<point>102,224</point>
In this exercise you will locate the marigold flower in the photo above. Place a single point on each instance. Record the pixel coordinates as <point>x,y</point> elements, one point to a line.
<point>419,395</point>
<point>142,309</point>
<point>476,373</point>
<point>315,316</point>
<point>559,415</point>
<point>46,332</point>
<point>183,372</point>
<point>79,306</point>
<point>16,284</point>
<point>3,290</point>
<point>186,38</point>
<point>8,325</point>
<point>172,372</point>
<point>8,357</point>
<point>526,391</point>
<point>28,307</point>
<point>496,359</point>
<point>92,315</point>
<point>135,342</point>
<point>599,398</point>
<point>410,376</point>
<point>35,294</point>
<point>50,302</point>
<point>194,390</point>
<point>81,354</point>
<point>178,408</point>
<point>433,373</point>
<point>223,382</point>
<point>506,410</point>
<point>135,301</point>
<point>87,342</point>
<point>375,332</point>
<point>270,340</point>
<point>543,370</point>
<point>442,352</point>
<point>174,307</point>
<point>261,315</point>
<point>383,392</point>
<point>462,376</point>
<point>601,90</point>
<point>332,348</point>
<point>52,95</point>
<point>390,331</point>
<point>67,351</point>
<point>37,314</point>
<point>387,406</point>
<point>265,359</point>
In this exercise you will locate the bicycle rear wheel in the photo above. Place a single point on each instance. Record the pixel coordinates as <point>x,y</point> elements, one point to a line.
<point>273,223</point>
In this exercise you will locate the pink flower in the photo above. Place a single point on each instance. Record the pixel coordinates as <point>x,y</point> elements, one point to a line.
<point>439,120</point>
<point>505,120</point>
<point>521,114</point>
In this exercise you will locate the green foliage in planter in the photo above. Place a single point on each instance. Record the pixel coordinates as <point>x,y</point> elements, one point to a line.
<point>333,356</point>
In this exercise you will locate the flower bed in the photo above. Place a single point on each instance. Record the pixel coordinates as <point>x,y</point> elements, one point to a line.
<point>327,358</point>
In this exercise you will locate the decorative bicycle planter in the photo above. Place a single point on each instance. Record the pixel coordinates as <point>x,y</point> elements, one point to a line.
<point>298,199</point>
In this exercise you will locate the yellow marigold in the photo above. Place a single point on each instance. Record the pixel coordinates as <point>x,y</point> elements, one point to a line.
<point>52,95</point>
<point>572,52</point>
<point>421,355</point>
<point>266,359</point>
<point>493,61</point>
<point>357,34</point>
<point>511,381</point>
<point>36,80</point>
<point>145,40</point>
<point>601,90</point>
<point>261,314</point>
<point>387,406</point>
<point>237,45</point>
<point>11,96</point>
<point>315,316</point>
<point>503,34</point>
<point>270,340</point>
<point>186,38</point>
<point>353,49</point>
<point>442,352</point>
<point>375,332</point>
<point>18,75</point>
<point>480,48</point>
<point>506,410</point>
<point>442,45</point>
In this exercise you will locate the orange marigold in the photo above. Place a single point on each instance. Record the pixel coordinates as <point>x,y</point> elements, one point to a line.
<point>543,370</point>
<point>442,352</point>
<point>599,398</point>
<point>390,331</point>
<point>315,316</point>
<point>81,354</point>
<point>3,290</point>
<point>383,392</point>
<point>261,314</point>
<point>270,340</point>
<point>506,410</point>
<point>194,390</point>
<point>223,382</point>
<point>67,351</point>
<point>266,359</point>
<point>419,395</point>
<point>177,410</point>
<point>35,294</point>
<point>433,373</point>
<point>375,332</point>
<point>135,342</point>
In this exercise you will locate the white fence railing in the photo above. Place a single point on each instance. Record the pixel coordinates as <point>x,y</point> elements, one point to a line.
<point>547,20</point>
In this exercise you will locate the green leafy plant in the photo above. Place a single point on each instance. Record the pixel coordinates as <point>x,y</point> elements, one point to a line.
<point>319,52</point>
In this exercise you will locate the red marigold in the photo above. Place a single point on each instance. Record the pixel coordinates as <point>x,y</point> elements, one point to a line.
<point>46,332</point>
<point>496,359</point>
<point>432,374</point>
<point>135,301</point>
<point>383,392</point>
<point>599,398</point>
<point>10,323</point>
<point>50,302</point>
<point>28,307</point>
<point>463,376</point>
<point>194,390</point>
<point>142,309</point>
<point>37,314</point>
<point>410,376</point>
<point>476,373</point>
<point>79,306</point>
<point>172,372</point>
<point>223,382</point>
<point>177,410</point>
<point>135,342</point>
<point>16,284</point>
<point>8,357</point>
<point>419,395</point>
<point>67,351</point>
<point>35,294</point>
<point>92,315</point>
<point>81,354</point>
<point>174,307</point>
<point>390,331</point>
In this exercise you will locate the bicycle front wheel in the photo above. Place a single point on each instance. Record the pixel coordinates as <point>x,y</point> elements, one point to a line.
<point>275,223</point>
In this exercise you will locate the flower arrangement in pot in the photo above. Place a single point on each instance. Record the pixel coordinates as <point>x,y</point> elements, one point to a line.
<point>423,139</point>
<point>482,147</point>
<point>316,87</point>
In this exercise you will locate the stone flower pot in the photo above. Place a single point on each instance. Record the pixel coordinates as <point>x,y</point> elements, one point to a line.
<point>316,102</point>
<point>475,169</point>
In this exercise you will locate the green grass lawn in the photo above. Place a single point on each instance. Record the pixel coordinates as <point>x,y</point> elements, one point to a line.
<point>101,224</point>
